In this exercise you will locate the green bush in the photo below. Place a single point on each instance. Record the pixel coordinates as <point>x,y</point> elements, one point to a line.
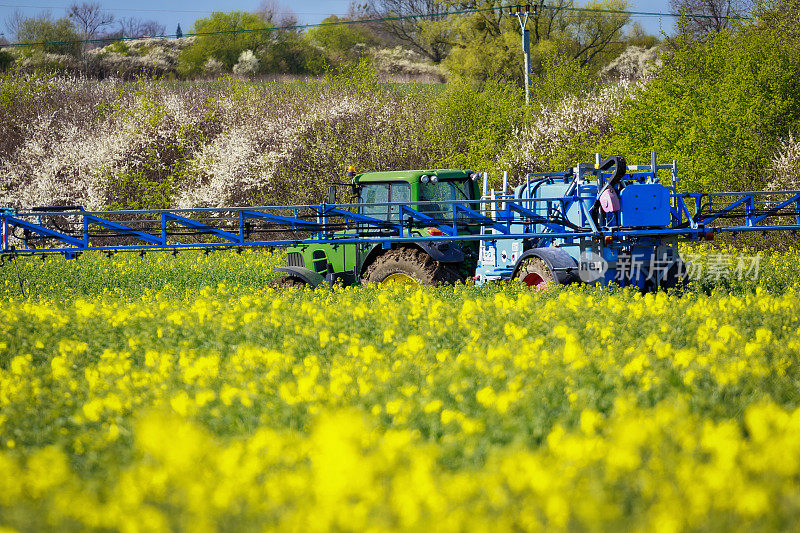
<point>471,127</point>
<point>60,36</point>
<point>359,77</point>
<point>481,60</point>
<point>6,60</point>
<point>339,42</point>
<point>719,107</point>
<point>234,33</point>
<point>557,74</point>
<point>119,47</point>
<point>23,97</point>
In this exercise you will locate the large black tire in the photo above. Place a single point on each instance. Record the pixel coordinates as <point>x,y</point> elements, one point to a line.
<point>287,282</point>
<point>675,280</point>
<point>535,273</point>
<point>410,265</point>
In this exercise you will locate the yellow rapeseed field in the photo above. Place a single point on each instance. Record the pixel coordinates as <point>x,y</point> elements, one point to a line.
<point>184,393</point>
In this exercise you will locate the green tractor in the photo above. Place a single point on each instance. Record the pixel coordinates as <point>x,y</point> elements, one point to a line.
<point>426,262</point>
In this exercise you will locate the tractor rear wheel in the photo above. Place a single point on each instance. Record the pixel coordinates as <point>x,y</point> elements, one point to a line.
<point>535,273</point>
<point>408,265</point>
<point>288,282</point>
<point>675,277</point>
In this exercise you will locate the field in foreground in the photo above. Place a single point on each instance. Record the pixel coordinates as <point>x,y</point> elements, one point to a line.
<point>159,393</point>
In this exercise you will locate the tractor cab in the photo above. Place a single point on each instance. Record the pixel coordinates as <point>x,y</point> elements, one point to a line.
<point>421,200</point>
<point>431,192</point>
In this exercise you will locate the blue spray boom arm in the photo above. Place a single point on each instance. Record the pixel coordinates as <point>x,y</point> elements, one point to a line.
<point>692,215</point>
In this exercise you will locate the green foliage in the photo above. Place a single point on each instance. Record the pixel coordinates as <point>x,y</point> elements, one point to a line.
<point>338,41</point>
<point>432,38</point>
<point>17,89</point>
<point>557,74</point>
<point>236,32</point>
<point>60,33</point>
<point>155,173</point>
<point>119,47</point>
<point>488,43</point>
<point>782,16</point>
<point>637,36</point>
<point>470,127</point>
<point>136,189</point>
<point>719,108</point>
<point>6,60</point>
<point>487,47</point>
<point>152,182</point>
<point>22,97</point>
<point>591,35</point>
<point>359,77</point>
<point>287,53</point>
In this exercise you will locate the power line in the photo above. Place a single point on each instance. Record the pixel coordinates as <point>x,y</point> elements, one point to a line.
<point>651,13</point>
<point>30,6</point>
<point>384,19</point>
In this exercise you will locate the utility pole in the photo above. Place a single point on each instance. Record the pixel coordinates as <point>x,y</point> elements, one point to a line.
<point>523,12</point>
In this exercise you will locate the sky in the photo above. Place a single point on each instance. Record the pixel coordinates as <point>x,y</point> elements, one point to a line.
<point>171,12</point>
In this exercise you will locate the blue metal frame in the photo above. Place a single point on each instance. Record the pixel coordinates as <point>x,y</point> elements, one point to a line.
<point>692,218</point>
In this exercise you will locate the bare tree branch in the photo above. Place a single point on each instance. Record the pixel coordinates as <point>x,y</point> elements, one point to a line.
<point>592,33</point>
<point>89,18</point>
<point>132,27</point>
<point>15,20</point>
<point>418,33</point>
<point>275,13</point>
<point>714,15</point>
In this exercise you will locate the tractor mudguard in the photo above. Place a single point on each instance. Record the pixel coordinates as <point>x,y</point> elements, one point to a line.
<point>309,276</point>
<point>442,251</point>
<point>558,261</point>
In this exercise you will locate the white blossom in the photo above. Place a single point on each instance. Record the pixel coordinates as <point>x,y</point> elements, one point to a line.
<point>230,142</point>
<point>247,64</point>
<point>635,63</point>
<point>212,67</point>
<point>786,166</point>
<point>402,64</point>
<point>532,146</point>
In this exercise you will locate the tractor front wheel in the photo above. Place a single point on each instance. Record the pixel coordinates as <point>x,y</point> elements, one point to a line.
<point>408,265</point>
<point>288,282</point>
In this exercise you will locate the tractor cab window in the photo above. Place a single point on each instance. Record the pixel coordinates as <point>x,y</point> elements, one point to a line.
<point>443,191</point>
<point>382,193</point>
